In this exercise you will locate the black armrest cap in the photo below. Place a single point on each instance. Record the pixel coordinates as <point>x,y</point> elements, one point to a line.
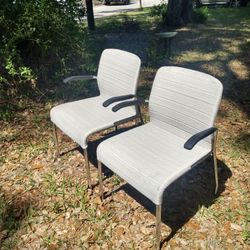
<point>193,140</point>
<point>116,99</point>
<point>126,104</point>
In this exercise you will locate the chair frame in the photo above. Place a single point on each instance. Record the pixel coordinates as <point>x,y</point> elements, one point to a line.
<point>105,104</point>
<point>159,206</point>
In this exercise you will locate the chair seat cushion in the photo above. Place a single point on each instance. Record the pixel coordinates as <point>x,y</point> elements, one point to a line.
<point>79,119</point>
<point>150,158</point>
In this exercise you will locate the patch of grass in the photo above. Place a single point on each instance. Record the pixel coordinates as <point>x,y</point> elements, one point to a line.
<point>246,233</point>
<point>7,112</point>
<point>200,15</point>
<point>118,24</point>
<point>242,143</point>
<point>32,149</point>
<point>48,240</point>
<point>116,180</point>
<point>246,227</point>
<point>129,22</point>
<point>61,189</point>
<point>159,11</point>
<point>40,118</point>
<point>9,137</point>
<point>234,17</point>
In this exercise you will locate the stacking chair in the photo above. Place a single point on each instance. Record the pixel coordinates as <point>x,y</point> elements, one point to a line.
<point>117,79</point>
<point>180,134</point>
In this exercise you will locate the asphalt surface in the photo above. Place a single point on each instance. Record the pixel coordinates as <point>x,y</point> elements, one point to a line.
<point>117,8</point>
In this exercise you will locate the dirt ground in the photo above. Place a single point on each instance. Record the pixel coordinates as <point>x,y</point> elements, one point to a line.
<point>45,203</point>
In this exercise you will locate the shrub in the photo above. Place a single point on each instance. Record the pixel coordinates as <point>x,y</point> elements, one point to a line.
<point>159,10</point>
<point>200,15</point>
<point>38,40</point>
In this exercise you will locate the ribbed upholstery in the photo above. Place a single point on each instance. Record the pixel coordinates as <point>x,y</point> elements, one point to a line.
<point>151,157</point>
<point>184,101</point>
<point>82,118</point>
<point>118,72</point>
<point>117,75</point>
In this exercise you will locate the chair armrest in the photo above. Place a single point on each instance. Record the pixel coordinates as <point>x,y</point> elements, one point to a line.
<point>136,102</point>
<point>116,99</point>
<point>81,77</point>
<point>193,140</point>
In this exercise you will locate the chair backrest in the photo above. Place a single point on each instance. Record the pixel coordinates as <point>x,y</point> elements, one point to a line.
<point>118,72</point>
<point>184,101</point>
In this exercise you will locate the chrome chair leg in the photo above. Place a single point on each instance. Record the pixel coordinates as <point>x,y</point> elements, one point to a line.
<point>158,227</point>
<point>139,114</point>
<point>56,140</point>
<point>215,163</point>
<point>100,179</point>
<point>87,167</point>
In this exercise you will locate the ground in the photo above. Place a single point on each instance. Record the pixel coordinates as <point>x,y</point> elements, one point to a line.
<point>45,203</point>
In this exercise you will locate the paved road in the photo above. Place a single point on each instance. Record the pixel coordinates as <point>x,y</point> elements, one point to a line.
<point>108,10</point>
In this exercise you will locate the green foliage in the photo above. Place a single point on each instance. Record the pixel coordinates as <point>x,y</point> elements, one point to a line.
<point>246,230</point>
<point>6,112</point>
<point>200,15</point>
<point>159,10</point>
<point>39,38</point>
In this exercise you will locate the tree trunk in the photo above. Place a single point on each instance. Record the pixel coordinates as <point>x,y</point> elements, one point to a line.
<point>140,4</point>
<point>179,12</point>
<point>90,14</point>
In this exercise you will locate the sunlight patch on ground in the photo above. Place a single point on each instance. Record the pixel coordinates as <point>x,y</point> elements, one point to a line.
<point>240,70</point>
<point>196,56</point>
<point>215,70</point>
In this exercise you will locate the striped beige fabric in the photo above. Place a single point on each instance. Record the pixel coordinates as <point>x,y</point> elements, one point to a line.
<point>152,156</point>
<point>184,101</point>
<point>118,72</point>
<point>117,75</point>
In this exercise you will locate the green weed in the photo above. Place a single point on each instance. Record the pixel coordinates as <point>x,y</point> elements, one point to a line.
<point>59,192</point>
<point>7,112</point>
<point>116,180</point>
<point>200,15</point>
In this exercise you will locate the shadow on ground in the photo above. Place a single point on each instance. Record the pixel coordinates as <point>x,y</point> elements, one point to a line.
<point>12,215</point>
<point>183,199</point>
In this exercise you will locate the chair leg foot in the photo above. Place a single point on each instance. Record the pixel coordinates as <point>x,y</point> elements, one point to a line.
<point>158,227</point>
<point>56,141</point>
<point>215,164</point>
<point>215,174</point>
<point>100,180</point>
<point>87,167</point>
